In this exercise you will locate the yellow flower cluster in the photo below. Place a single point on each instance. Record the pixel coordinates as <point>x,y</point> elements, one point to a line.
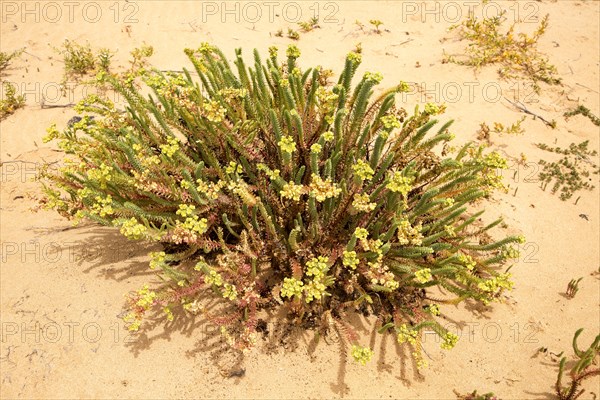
<point>229,292</point>
<point>170,148</point>
<point>327,100</point>
<point>51,134</point>
<point>328,136</point>
<point>131,229</point>
<point>467,261</point>
<point>292,191</point>
<point>450,230</point>
<point>315,289</point>
<point>316,148</point>
<point>196,225</point>
<point>407,234</point>
<point>374,77</point>
<point>433,309</point>
<point>390,122</point>
<point>361,203</point>
<point>363,170</point>
<point>350,260</point>
<point>292,51</point>
<point>213,278</point>
<point>185,210</point>
<point>210,190</point>
<point>323,189</point>
<point>433,109</point>
<point>287,144</point>
<point>317,267</point>
<point>213,111</point>
<point>497,283</point>
<point>101,175</point>
<point>102,207</point>
<point>362,355</point>
<point>423,275</point>
<point>273,51</point>
<point>399,183</point>
<point>354,57</point>
<point>234,168</point>
<point>145,299</point>
<point>158,259</point>
<point>291,287</point>
<point>510,252</point>
<point>361,233</point>
<point>406,334</point>
<point>449,341</point>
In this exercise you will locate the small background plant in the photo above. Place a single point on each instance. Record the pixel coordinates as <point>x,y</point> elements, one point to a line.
<point>585,366</point>
<point>571,173</point>
<point>516,53</point>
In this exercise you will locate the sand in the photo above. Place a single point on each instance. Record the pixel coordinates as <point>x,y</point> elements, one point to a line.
<point>62,288</point>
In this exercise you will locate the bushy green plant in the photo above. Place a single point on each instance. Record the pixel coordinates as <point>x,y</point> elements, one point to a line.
<point>284,189</point>
<point>516,53</point>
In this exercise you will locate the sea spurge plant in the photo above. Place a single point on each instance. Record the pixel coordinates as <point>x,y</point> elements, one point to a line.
<point>284,189</point>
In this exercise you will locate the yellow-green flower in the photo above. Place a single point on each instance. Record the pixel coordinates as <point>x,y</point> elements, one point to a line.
<point>390,122</point>
<point>399,183</point>
<point>433,309</point>
<point>233,167</point>
<point>213,111</point>
<point>316,148</point>
<point>131,229</point>
<point>423,275</point>
<point>361,233</point>
<point>287,144</point>
<point>317,267</point>
<point>374,77</point>
<point>363,170</point>
<point>229,292</point>
<point>328,136</point>
<point>170,148</point>
<point>158,259</point>
<point>449,342</point>
<point>362,203</point>
<point>292,191</point>
<point>323,189</point>
<point>362,355</point>
<point>213,278</point>
<point>350,259</point>
<point>292,51</point>
<point>291,287</point>
<point>185,210</point>
<point>406,334</point>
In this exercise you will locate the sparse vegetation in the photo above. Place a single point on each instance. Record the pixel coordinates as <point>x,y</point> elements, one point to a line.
<point>516,53</point>
<point>475,396</point>
<point>573,288</point>
<point>376,23</point>
<point>571,173</point>
<point>583,110</point>
<point>11,102</point>
<point>308,26</point>
<point>586,366</point>
<point>6,58</point>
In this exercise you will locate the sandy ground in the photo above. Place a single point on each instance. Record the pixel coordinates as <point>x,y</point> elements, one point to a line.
<point>62,288</point>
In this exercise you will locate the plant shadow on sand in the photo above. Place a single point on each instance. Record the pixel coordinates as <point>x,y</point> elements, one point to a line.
<point>111,256</point>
